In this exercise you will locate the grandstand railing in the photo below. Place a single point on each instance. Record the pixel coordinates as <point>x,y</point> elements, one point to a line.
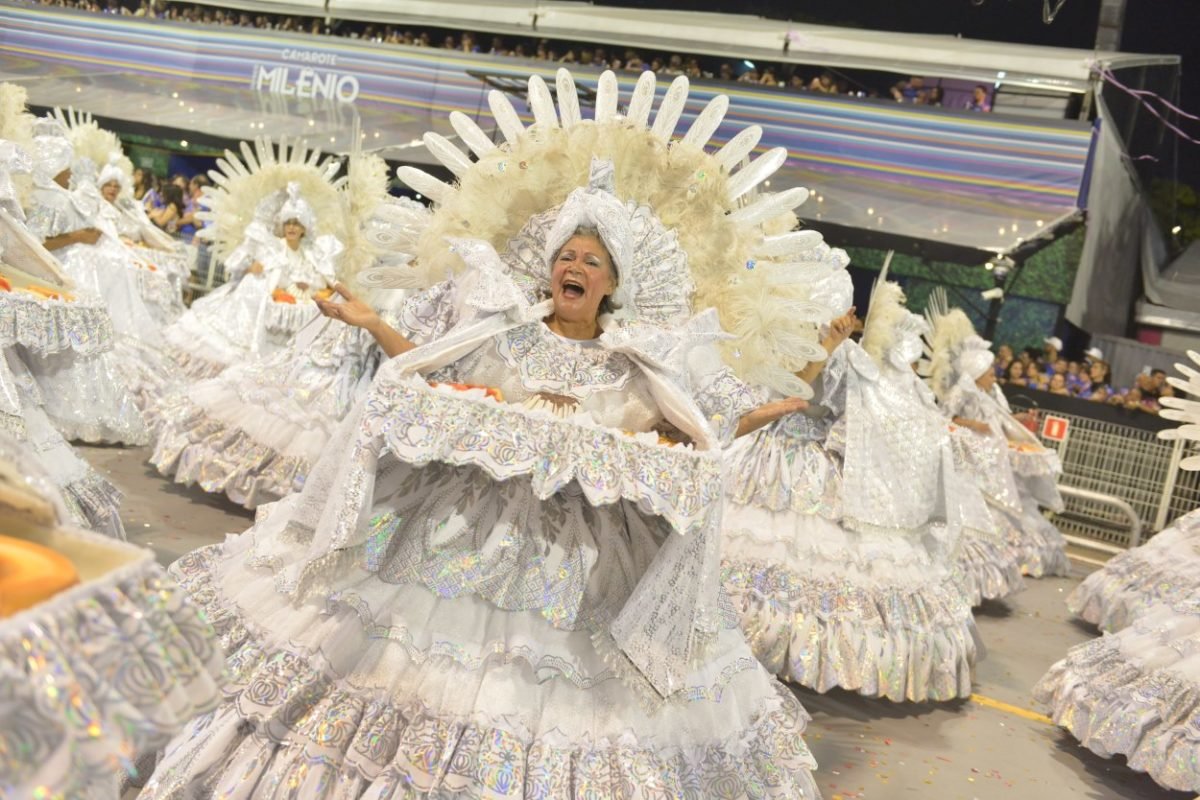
<point>1116,453</point>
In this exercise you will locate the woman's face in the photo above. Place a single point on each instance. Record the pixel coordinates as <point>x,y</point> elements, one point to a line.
<point>987,380</point>
<point>1004,353</point>
<point>110,190</point>
<point>293,232</point>
<point>581,276</point>
<point>1096,372</point>
<point>1016,371</point>
<point>1058,383</point>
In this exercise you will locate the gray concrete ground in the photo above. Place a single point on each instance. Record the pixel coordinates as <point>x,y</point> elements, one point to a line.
<point>996,746</point>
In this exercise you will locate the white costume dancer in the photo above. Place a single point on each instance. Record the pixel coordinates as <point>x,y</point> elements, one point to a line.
<point>281,260</point>
<point>1016,473</point>
<point>520,599</point>
<point>254,431</point>
<point>66,345</point>
<point>839,558</point>
<point>1137,692</point>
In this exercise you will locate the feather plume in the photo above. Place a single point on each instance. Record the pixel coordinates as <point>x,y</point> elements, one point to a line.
<point>948,330</point>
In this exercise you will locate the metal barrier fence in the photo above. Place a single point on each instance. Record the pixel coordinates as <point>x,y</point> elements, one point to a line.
<point>1125,459</point>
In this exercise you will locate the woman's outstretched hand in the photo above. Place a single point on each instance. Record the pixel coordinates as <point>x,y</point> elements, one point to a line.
<point>351,310</point>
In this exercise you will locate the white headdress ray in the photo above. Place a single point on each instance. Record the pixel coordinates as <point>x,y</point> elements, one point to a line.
<point>771,292</point>
<point>952,347</point>
<point>1184,411</point>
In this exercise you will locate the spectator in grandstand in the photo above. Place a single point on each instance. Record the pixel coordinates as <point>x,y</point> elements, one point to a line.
<point>1051,347</point>
<point>910,91</point>
<point>167,217</point>
<point>675,64</point>
<point>823,83</point>
<point>768,77</point>
<point>979,100</point>
<point>1004,357</point>
<point>1076,378</point>
<point>1058,384</point>
<point>140,184</point>
<point>935,97</point>
<point>725,72</point>
<point>1015,374</point>
<point>749,76</point>
<point>188,223</point>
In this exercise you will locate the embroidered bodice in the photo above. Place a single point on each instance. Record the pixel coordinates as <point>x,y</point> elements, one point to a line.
<point>530,361</point>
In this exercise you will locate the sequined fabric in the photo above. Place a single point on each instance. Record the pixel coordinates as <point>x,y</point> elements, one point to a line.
<point>254,431</point>
<point>1164,570</point>
<point>325,736</point>
<point>44,326</point>
<point>98,675</point>
<point>1136,693</point>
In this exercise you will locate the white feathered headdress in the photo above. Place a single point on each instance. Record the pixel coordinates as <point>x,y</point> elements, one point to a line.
<point>952,347</point>
<point>1184,410</point>
<point>772,287</point>
<point>891,333</point>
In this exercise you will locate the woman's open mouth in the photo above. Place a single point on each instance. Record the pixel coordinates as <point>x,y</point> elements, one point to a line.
<point>572,288</point>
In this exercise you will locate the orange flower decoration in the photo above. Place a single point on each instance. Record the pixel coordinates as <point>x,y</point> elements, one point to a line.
<point>280,296</point>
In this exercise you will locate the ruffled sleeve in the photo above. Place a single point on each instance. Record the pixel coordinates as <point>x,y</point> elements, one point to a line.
<point>51,214</point>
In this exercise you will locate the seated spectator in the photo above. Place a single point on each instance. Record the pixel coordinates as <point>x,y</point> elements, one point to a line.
<point>167,217</point>
<point>935,97</point>
<point>910,91</point>
<point>725,72</point>
<point>1037,380</point>
<point>979,100</point>
<point>768,77</point>
<point>1098,395</point>
<point>1158,382</point>
<point>823,83</point>
<point>656,65</point>
<point>1004,357</point>
<point>749,76</point>
<point>1015,376</point>
<point>675,64</point>
<point>796,82</point>
<point>1058,384</point>
<point>1051,347</point>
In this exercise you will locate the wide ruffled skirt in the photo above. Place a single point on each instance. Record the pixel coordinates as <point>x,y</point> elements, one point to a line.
<point>141,301</point>
<point>88,397</point>
<point>823,606</point>
<point>254,432</point>
<point>236,323</point>
<point>453,640</point>
<point>1041,547</point>
<point>1136,693</point>
<point>1164,570</point>
<point>988,566</point>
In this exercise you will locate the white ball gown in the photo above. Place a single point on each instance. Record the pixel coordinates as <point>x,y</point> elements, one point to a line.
<point>1136,692</point>
<point>474,598</point>
<point>242,320</point>
<point>840,541</point>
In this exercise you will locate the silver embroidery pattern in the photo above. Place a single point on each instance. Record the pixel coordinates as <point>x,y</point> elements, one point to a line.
<point>47,326</point>
<point>100,674</point>
<point>548,363</point>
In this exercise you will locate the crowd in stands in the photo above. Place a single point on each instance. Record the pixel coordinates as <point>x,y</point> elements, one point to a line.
<point>785,76</point>
<point>1088,379</point>
<point>171,203</point>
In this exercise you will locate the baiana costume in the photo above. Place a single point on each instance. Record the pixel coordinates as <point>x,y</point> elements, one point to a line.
<point>513,590</point>
<point>1017,474</point>
<point>269,285</point>
<point>254,431</point>
<point>843,528</point>
<point>1136,692</point>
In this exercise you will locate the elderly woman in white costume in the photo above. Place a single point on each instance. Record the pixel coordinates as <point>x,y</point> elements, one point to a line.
<point>506,598</point>
<point>34,324</point>
<point>1016,473</point>
<point>280,252</point>
<point>255,431</point>
<point>78,227</point>
<point>157,251</point>
<point>1136,692</point>
<point>85,395</point>
<point>844,529</point>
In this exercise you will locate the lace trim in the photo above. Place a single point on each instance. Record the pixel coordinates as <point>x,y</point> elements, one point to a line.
<point>100,673</point>
<point>285,319</point>
<point>1114,706</point>
<point>422,424</point>
<point>301,716</point>
<point>50,326</point>
<point>547,363</point>
<point>885,641</point>
<point>221,458</point>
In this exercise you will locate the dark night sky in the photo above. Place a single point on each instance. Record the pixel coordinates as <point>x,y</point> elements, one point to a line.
<point>1151,26</point>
